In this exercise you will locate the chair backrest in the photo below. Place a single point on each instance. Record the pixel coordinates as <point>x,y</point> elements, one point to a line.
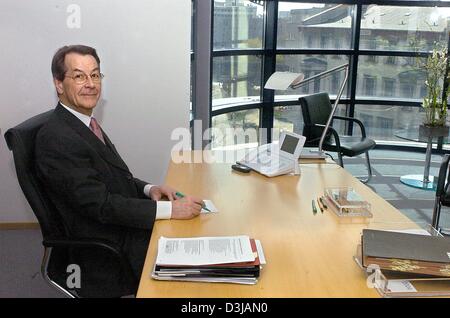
<point>316,109</point>
<point>21,141</point>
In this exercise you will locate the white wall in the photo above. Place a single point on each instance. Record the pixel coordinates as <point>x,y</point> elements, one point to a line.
<point>144,50</point>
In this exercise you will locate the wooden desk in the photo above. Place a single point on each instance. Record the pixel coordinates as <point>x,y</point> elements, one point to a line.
<point>307,255</point>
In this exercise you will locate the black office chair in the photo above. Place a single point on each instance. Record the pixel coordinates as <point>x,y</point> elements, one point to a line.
<point>56,241</point>
<point>316,109</point>
<point>442,194</point>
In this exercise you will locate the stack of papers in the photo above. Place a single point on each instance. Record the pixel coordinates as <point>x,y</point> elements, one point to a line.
<point>405,252</point>
<point>227,259</point>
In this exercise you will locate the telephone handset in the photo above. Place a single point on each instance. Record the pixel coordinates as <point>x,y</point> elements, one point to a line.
<point>276,159</point>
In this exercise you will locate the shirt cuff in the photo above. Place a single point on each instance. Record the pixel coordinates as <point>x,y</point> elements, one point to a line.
<point>163,210</point>
<point>147,189</point>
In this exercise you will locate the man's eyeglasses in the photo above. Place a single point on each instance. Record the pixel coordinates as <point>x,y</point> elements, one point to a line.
<point>81,78</point>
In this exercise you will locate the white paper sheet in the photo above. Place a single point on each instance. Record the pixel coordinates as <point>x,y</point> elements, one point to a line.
<point>259,249</point>
<point>412,231</point>
<point>210,206</point>
<point>400,286</point>
<point>204,250</point>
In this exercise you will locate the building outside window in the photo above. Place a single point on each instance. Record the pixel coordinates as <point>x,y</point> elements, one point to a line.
<point>388,87</point>
<point>369,85</point>
<point>397,32</point>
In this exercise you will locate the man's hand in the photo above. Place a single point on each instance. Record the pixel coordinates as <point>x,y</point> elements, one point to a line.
<point>158,192</point>
<point>186,208</point>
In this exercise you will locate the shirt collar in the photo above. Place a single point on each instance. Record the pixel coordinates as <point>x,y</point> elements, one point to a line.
<point>85,119</point>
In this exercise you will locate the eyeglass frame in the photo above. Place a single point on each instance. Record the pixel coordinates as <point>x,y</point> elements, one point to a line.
<point>101,76</point>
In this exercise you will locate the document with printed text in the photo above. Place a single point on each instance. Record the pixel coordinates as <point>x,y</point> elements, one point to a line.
<point>204,250</point>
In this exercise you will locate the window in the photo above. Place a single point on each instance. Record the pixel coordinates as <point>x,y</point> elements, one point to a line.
<point>308,21</point>
<point>309,41</point>
<point>323,41</point>
<point>369,85</point>
<point>388,87</point>
<point>385,122</point>
<point>313,37</point>
<point>403,28</point>
<point>238,24</point>
<point>236,79</point>
<point>390,60</point>
<point>311,65</point>
<point>335,82</point>
<point>235,128</point>
<point>402,73</point>
<point>367,120</point>
<point>407,89</point>
<point>288,118</point>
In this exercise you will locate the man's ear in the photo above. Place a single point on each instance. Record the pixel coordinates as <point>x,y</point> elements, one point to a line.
<point>58,86</point>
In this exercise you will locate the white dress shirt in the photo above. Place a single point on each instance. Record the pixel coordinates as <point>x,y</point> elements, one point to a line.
<point>163,208</point>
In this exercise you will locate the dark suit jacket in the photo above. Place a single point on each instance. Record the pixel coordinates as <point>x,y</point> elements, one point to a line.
<point>97,197</point>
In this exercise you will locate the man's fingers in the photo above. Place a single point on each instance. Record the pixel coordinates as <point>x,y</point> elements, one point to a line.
<point>171,196</point>
<point>197,200</point>
<point>197,206</point>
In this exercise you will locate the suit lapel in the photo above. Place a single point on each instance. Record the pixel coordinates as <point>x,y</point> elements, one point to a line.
<point>107,151</point>
<point>110,145</point>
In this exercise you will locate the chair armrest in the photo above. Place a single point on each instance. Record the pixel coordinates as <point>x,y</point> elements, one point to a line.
<point>334,133</point>
<point>442,176</point>
<point>360,123</point>
<point>87,242</point>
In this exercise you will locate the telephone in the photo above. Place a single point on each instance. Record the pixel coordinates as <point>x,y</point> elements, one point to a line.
<point>276,159</point>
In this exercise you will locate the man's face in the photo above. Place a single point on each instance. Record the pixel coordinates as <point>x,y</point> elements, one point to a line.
<point>82,97</point>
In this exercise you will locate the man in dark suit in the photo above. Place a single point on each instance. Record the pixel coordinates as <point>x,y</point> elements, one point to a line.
<point>91,186</point>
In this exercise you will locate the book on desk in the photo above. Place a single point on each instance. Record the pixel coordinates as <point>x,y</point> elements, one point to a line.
<point>407,253</point>
<point>233,259</point>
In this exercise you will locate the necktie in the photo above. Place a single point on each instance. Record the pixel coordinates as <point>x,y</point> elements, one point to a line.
<point>96,129</point>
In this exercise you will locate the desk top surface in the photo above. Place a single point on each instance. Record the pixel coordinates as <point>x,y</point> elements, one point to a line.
<point>308,255</point>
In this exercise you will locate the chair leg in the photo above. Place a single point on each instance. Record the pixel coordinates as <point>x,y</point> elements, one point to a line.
<point>369,169</point>
<point>340,161</point>
<point>44,265</point>
<point>436,213</point>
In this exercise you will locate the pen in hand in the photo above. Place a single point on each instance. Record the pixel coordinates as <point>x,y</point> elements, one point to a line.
<point>314,207</point>
<point>181,195</point>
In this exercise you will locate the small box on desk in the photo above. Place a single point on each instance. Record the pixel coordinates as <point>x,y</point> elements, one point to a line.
<point>345,202</point>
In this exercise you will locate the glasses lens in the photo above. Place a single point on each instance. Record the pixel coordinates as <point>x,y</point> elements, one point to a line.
<point>96,77</point>
<point>79,78</point>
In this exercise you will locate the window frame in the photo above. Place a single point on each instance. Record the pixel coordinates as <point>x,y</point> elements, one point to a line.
<point>269,52</point>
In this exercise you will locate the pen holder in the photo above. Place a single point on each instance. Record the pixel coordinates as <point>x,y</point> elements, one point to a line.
<point>347,204</point>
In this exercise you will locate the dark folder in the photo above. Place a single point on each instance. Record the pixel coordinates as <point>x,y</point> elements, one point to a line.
<point>429,255</point>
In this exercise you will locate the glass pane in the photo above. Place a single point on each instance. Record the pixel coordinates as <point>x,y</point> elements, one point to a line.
<point>386,123</point>
<point>391,78</point>
<point>238,24</point>
<point>314,26</point>
<point>403,28</point>
<point>287,118</point>
<point>311,65</point>
<point>290,118</point>
<point>236,79</point>
<point>235,128</point>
